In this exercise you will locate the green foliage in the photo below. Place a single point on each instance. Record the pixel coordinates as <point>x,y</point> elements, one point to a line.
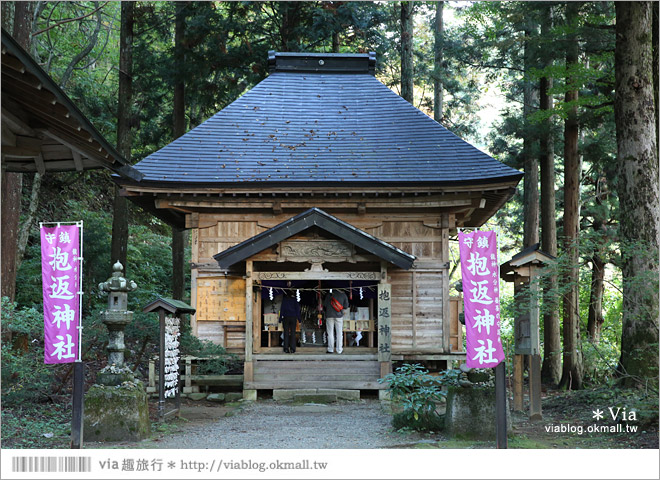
<point>24,375</point>
<point>29,425</point>
<point>417,393</point>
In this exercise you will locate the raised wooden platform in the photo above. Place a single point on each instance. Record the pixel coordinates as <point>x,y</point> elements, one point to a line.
<point>305,371</point>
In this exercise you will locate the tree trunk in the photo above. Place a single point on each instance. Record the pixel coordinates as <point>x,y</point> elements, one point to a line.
<point>654,42</point>
<point>573,366</point>
<point>595,320</point>
<point>530,162</point>
<point>437,67</point>
<point>7,13</point>
<point>407,50</point>
<point>290,19</point>
<point>12,183</point>
<point>24,234</point>
<point>119,246</point>
<point>638,189</point>
<point>179,235</point>
<point>551,369</point>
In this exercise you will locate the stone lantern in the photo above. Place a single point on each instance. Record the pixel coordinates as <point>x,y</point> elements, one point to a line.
<point>116,407</point>
<point>116,317</point>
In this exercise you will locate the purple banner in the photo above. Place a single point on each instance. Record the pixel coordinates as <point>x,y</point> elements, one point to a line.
<point>481,297</point>
<point>60,274</point>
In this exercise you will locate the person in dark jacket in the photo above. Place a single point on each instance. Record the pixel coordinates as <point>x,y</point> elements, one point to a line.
<point>290,316</point>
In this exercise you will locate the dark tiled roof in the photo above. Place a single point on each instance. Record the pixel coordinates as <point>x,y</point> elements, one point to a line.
<point>305,220</point>
<point>318,128</point>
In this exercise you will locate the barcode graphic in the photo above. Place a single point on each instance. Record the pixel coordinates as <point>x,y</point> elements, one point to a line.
<point>51,464</point>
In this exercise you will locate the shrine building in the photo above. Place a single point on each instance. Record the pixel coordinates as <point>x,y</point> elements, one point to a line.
<point>323,177</point>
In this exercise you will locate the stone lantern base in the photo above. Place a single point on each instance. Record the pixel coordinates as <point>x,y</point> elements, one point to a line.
<point>116,413</point>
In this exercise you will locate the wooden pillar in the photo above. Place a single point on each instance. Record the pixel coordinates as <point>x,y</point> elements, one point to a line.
<point>446,223</point>
<point>248,367</point>
<point>518,366</point>
<point>535,388</point>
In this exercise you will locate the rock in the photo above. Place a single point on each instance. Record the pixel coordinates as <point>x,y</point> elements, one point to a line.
<point>465,383</point>
<point>470,413</point>
<point>216,397</point>
<point>113,414</point>
<point>196,396</point>
<point>478,376</point>
<point>464,368</point>
<point>233,397</point>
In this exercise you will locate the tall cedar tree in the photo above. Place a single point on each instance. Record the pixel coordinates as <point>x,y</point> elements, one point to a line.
<point>551,369</point>
<point>12,183</point>
<point>407,73</point>
<point>179,235</point>
<point>573,368</point>
<point>438,31</point>
<point>530,160</point>
<point>119,243</point>
<point>638,188</point>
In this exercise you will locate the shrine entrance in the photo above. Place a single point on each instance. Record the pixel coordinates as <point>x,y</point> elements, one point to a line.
<point>307,257</point>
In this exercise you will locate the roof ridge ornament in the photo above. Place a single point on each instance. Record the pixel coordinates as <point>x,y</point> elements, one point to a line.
<point>331,63</point>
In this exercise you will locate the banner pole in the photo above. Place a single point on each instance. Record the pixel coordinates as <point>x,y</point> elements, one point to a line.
<point>500,405</point>
<point>80,292</point>
<point>78,366</point>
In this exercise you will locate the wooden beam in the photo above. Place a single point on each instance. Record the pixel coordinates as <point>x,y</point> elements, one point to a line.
<point>8,137</point>
<point>77,159</point>
<point>249,339</point>
<point>39,161</point>
<point>375,276</point>
<point>21,152</point>
<point>16,124</point>
<point>12,62</point>
<point>25,78</point>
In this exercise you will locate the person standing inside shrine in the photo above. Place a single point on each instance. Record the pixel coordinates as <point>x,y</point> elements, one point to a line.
<point>290,316</point>
<point>334,305</point>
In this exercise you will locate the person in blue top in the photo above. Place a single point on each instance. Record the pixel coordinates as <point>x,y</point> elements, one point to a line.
<point>289,316</point>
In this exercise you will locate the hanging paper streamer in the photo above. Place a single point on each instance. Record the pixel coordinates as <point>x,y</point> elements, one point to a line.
<point>313,337</point>
<point>361,296</point>
<point>270,293</point>
<point>303,337</point>
<point>358,337</point>
<point>298,295</point>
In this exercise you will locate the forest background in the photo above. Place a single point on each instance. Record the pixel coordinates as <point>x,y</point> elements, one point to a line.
<point>538,85</point>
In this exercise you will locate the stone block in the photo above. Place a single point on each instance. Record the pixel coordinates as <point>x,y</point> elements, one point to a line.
<point>250,395</point>
<point>470,413</point>
<point>114,414</point>
<point>216,397</point>
<point>287,395</point>
<point>233,396</point>
<point>351,395</point>
<point>315,398</point>
<point>197,396</point>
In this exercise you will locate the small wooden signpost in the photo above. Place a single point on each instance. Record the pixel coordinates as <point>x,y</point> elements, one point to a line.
<point>169,312</point>
<point>524,270</point>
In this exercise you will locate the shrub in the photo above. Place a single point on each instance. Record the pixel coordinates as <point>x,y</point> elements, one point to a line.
<point>24,375</point>
<point>417,394</point>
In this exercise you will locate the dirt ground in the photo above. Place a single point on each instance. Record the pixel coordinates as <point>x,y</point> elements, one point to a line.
<point>566,424</point>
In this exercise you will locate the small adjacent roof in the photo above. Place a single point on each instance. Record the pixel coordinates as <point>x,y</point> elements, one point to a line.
<point>310,218</point>
<point>170,305</point>
<point>42,129</point>
<point>532,255</point>
<point>321,119</point>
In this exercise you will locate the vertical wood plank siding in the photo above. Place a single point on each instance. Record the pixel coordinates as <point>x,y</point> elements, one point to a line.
<point>417,310</point>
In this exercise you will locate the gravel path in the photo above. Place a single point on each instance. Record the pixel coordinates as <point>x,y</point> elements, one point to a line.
<point>269,424</point>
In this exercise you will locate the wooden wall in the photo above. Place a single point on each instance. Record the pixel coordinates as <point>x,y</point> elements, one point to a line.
<point>420,298</point>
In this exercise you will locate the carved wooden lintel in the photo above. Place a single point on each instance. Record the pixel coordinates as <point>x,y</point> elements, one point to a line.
<point>316,251</point>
